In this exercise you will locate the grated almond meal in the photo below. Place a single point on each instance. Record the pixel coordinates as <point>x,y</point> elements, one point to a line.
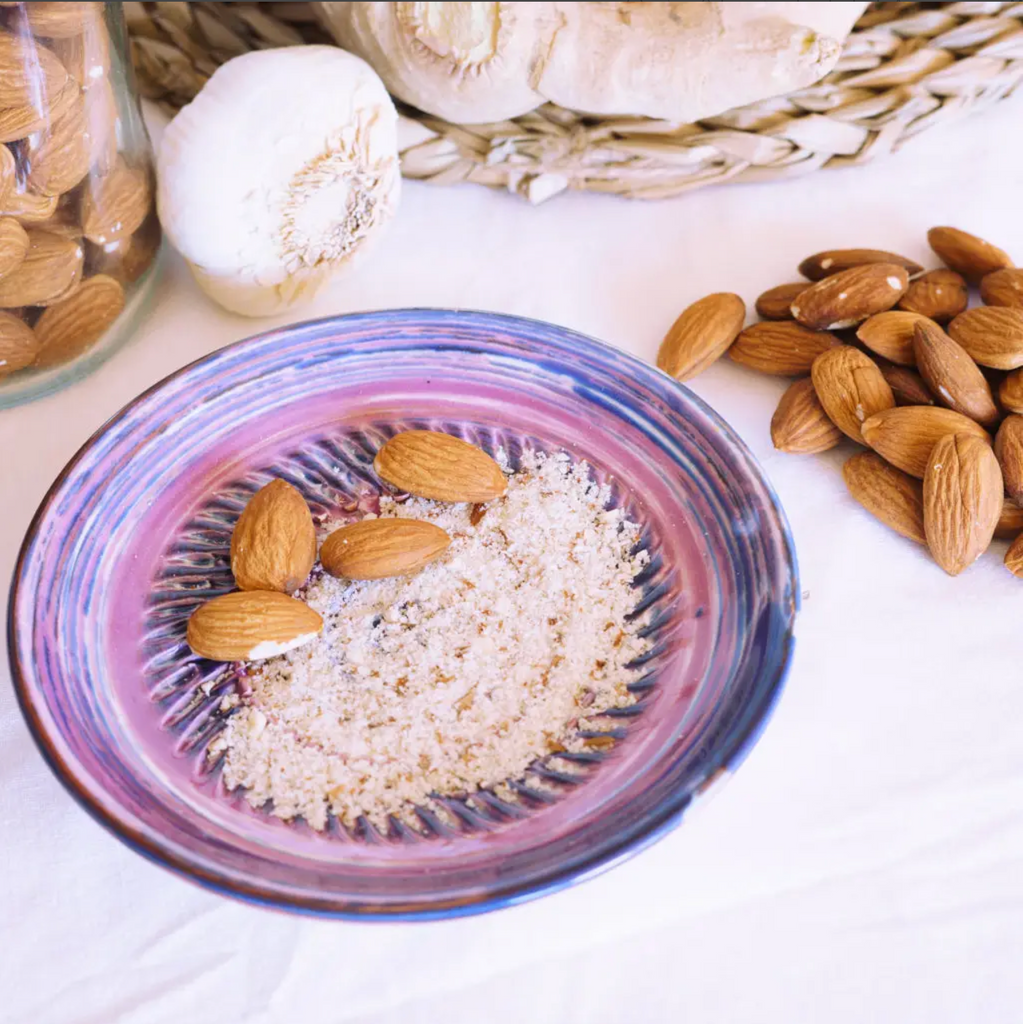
<point>458,677</point>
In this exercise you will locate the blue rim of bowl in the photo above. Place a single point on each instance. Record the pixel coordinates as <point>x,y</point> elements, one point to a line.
<point>666,820</point>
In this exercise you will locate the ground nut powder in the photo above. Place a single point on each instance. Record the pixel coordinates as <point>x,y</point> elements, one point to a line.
<point>458,677</point>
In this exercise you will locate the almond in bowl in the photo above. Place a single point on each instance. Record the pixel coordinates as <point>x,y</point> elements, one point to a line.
<point>472,624</point>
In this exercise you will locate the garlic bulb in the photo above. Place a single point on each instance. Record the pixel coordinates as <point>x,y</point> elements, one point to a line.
<point>278,173</point>
<point>483,62</point>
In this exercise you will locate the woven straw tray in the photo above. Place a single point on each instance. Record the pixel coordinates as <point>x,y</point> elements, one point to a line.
<point>905,68</point>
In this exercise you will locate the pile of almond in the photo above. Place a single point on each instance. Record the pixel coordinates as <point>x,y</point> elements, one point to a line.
<point>77,219</point>
<point>892,358</point>
<point>273,546</point>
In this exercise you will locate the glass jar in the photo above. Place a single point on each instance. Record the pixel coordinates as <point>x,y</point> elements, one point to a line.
<point>78,227</point>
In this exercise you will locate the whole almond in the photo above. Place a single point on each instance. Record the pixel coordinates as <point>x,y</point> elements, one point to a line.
<point>967,254</point>
<point>8,175</point>
<point>59,157</point>
<point>952,376</point>
<point>72,326</point>
<point>20,121</point>
<point>60,20</point>
<point>833,261</point>
<point>13,244</point>
<point>890,335</point>
<point>782,348</point>
<point>846,298</point>
<point>51,268</point>
<point>962,500</point>
<point>249,625</point>
<point>86,54</point>
<point>905,435</point>
<point>273,546</point>
<point>776,303</point>
<point>696,339</point>
<point>1009,452</point>
<point>18,344</point>
<point>851,388</point>
<point>375,549</point>
<point>1014,557</point>
<point>128,259</point>
<point>907,385</point>
<point>30,75</point>
<point>115,205</point>
<point>993,335</point>
<point>1010,522</point>
<point>64,222</point>
<point>889,494</point>
<point>435,465</point>
<point>800,425</point>
<point>1010,391</point>
<point>1003,288</point>
<point>27,207</point>
<point>939,295</point>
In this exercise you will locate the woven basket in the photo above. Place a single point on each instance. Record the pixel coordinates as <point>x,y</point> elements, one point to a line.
<point>905,68</point>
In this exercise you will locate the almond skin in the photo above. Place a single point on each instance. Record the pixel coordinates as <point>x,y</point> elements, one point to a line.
<point>18,344</point>
<point>1014,557</point>
<point>1010,522</point>
<point>375,549</point>
<point>86,55</point>
<point>889,494</point>
<point>701,335</point>
<point>850,388</point>
<point>72,326</point>
<point>13,244</point>
<point>273,546</point>
<point>58,158</point>
<point>776,303</point>
<point>952,376</point>
<point>890,335</point>
<point>967,254</point>
<point>8,175</point>
<point>906,435</point>
<point>993,335</point>
<point>1009,452</point>
<point>251,625</point>
<point>850,296</point>
<point>800,425</point>
<point>30,75</point>
<point>1003,288</point>
<point>833,261</point>
<point>27,207</point>
<point>434,465</point>
<point>50,270</point>
<point>782,348</point>
<point>938,295</point>
<point>60,20</point>
<point>1010,391</point>
<point>962,501</point>
<point>907,385</point>
<point>114,205</point>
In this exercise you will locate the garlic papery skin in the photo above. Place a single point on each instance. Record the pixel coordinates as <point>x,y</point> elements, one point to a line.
<point>474,62</point>
<point>465,62</point>
<point>278,174</point>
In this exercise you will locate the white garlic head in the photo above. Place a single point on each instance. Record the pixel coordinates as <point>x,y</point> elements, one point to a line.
<point>472,62</point>
<point>278,174</point>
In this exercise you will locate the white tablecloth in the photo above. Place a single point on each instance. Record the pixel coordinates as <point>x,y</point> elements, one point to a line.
<point>866,862</point>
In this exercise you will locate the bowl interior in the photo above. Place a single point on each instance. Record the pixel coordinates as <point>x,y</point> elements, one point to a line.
<point>135,533</point>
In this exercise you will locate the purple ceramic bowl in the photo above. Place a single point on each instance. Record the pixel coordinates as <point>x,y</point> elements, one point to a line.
<point>134,535</point>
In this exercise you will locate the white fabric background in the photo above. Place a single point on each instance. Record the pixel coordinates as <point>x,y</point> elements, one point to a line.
<point>865,862</point>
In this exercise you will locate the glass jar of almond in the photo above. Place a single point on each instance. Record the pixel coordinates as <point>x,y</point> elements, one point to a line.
<point>78,227</point>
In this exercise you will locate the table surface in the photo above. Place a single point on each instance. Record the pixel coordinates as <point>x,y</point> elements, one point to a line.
<point>864,863</point>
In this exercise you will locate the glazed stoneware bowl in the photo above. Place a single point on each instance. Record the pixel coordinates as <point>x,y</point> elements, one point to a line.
<point>135,533</point>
